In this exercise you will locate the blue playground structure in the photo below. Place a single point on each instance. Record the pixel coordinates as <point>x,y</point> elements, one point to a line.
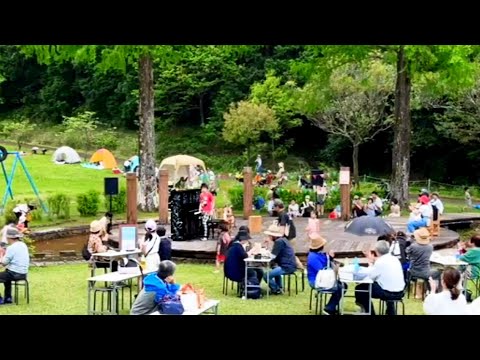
<point>9,178</point>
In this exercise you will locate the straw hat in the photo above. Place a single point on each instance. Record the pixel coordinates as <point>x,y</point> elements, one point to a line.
<point>422,236</point>
<point>95,226</point>
<point>274,230</point>
<point>317,242</point>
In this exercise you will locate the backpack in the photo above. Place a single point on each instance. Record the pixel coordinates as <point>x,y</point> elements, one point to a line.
<point>85,253</point>
<point>253,292</point>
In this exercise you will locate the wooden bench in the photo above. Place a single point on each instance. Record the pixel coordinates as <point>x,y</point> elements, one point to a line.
<point>210,307</point>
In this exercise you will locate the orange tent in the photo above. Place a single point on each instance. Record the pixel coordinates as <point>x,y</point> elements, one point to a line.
<point>105,157</point>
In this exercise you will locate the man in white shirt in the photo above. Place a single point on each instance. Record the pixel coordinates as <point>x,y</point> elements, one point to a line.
<point>388,281</point>
<point>377,202</point>
<point>437,206</point>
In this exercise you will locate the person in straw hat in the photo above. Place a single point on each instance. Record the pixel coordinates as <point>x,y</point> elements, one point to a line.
<point>419,254</point>
<point>16,261</point>
<point>95,244</point>
<point>284,258</point>
<point>318,260</point>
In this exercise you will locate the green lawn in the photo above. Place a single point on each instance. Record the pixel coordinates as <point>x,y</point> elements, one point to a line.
<point>62,289</point>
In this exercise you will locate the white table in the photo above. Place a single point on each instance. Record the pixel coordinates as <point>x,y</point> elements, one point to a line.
<point>111,255</point>
<point>115,278</point>
<point>448,260</point>
<point>210,307</point>
<point>261,261</point>
<point>345,275</point>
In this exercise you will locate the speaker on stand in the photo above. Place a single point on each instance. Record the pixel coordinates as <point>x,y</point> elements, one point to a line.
<point>110,189</point>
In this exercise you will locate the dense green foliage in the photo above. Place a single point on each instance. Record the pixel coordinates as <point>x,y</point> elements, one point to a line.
<point>119,202</point>
<point>196,85</point>
<point>88,203</point>
<point>59,206</point>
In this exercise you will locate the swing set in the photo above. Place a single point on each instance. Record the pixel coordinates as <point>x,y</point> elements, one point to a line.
<point>9,177</point>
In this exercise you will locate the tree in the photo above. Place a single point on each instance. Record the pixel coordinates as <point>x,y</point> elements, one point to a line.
<point>420,68</point>
<point>354,105</point>
<point>246,121</point>
<point>117,58</point>
<point>80,130</point>
<point>19,131</point>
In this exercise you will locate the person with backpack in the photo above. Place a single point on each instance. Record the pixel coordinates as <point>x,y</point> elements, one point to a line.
<point>318,260</point>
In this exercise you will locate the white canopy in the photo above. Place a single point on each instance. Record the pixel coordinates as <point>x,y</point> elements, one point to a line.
<point>178,166</point>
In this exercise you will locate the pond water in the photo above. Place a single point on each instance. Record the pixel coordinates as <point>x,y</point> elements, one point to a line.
<point>54,246</point>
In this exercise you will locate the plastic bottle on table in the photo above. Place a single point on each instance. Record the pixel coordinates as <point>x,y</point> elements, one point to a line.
<point>356,266</point>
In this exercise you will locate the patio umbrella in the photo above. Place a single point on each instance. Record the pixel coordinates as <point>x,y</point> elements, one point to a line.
<point>368,226</point>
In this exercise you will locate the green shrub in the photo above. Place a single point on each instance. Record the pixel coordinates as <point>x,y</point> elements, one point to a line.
<point>235,193</point>
<point>119,202</point>
<point>88,203</point>
<point>59,206</point>
<point>37,213</point>
<point>8,214</point>
<point>332,200</point>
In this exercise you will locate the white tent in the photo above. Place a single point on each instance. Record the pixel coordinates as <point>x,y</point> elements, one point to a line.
<point>66,155</point>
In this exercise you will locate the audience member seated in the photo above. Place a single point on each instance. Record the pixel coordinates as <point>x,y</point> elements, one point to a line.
<point>95,245</point>
<point>307,207</point>
<point>16,261</point>
<point>388,282</point>
<point>234,266</point>
<point>472,256</point>
<point>358,207</point>
<point>419,254</point>
<point>317,260</point>
<point>155,287</point>
<point>293,209</point>
<point>449,301</point>
<point>284,259</point>
<point>437,206</point>
<point>394,209</point>
<point>425,211</point>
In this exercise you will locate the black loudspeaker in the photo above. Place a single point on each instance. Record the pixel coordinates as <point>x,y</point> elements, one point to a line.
<point>111,186</point>
<point>317,179</point>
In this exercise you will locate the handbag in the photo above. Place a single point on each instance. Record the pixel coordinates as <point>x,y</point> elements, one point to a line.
<point>171,305</point>
<point>326,278</point>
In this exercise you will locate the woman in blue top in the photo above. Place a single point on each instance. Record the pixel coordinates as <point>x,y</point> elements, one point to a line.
<point>317,260</point>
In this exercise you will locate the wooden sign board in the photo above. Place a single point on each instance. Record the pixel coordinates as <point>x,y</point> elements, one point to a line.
<point>344,177</point>
<point>128,237</point>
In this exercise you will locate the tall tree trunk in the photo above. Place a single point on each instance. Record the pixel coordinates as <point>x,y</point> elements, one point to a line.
<point>202,113</point>
<point>356,177</point>
<point>401,132</point>
<point>148,183</point>
<point>273,153</point>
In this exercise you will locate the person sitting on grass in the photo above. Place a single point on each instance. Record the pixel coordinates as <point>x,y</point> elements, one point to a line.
<point>16,261</point>
<point>155,287</point>
<point>165,250</point>
<point>449,301</point>
<point>317,260</point>
<point>284,258</point>
<point>388,281</point>
<point>222,245</point>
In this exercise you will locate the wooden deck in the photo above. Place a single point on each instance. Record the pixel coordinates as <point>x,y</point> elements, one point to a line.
<point>343,244</point>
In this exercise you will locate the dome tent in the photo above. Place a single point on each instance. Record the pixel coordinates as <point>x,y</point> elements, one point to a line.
<point>104,157</point>
<point>66,155</point>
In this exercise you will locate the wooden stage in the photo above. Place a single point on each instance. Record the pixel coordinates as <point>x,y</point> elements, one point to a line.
<point>343,244</point>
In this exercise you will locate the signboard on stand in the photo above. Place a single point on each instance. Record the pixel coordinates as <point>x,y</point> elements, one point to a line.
<point>128,237</point>
<point>344,177</point>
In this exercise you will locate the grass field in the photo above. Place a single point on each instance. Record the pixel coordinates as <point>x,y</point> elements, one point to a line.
<point>62,290</point>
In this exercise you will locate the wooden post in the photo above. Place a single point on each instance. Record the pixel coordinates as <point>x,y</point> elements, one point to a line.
<point>163,197</point>
<point>345,200</point>
<point>131,198</point>
<point>247,192</point>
